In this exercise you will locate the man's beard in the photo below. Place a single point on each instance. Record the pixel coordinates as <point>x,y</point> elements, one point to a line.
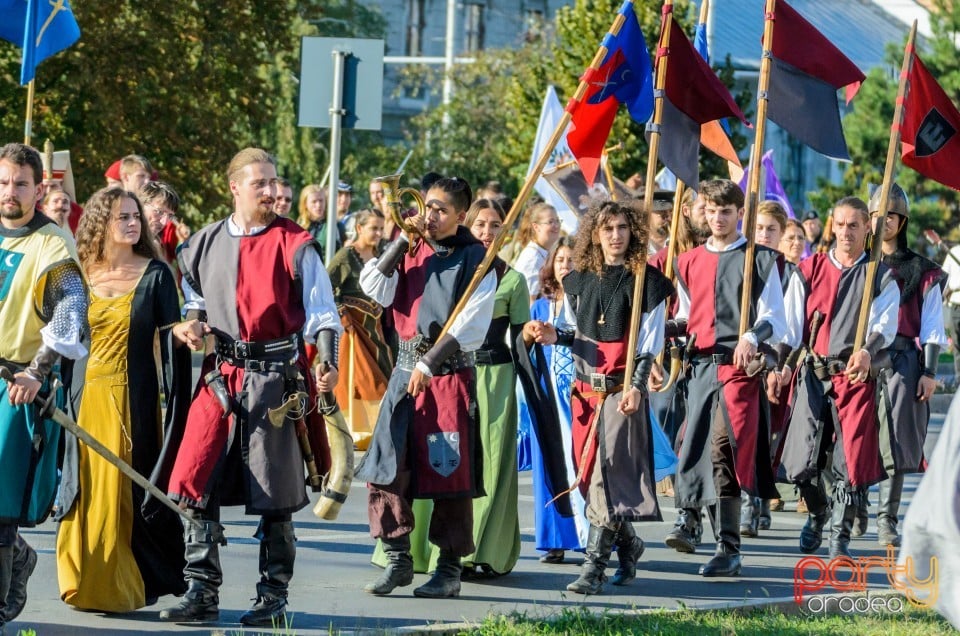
<point>13,215</point>
<point>697,234</point>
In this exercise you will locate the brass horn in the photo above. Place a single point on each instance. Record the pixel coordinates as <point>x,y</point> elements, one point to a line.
<point>393,193</point>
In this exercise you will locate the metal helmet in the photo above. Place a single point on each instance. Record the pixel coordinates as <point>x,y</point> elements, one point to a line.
<point>896,202</point>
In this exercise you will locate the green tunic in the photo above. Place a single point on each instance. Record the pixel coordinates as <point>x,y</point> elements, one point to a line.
<point>496,528</point>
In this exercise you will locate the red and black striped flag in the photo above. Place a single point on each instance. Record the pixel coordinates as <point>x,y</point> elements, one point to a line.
<point>806,73</point>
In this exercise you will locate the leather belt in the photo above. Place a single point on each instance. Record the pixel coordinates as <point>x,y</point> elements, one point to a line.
<point>903,343</point>
<point>262,350</point>
<point>715,358</point>
<point>407,360</point>
<point>498,355</point>
<point>602,382</point>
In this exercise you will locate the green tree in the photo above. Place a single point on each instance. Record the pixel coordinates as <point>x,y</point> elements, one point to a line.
<point>186,84</point>
<point>867,130</point>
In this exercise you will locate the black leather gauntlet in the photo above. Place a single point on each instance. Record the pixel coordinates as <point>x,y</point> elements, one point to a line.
<point>391,257</point>
<point>675,328</point>
<point>642,372</point>
<point>42,363</point>
<point>439,353</point>
<point>327,347</point>
<point>874,344</point>
<point>762,330</point>
<point>565,337</point>
<point>931,358</point>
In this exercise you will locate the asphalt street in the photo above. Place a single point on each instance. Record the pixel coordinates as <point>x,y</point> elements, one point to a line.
<point>333,564</point>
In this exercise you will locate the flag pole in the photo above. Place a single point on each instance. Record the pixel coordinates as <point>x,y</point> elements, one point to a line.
<point>28,122</point>
<point>531,179</point>
<point>876,249</point>
<point>654,127</point>
<point>608,173</point>
<point>668,266</point>
<point>756,156</point>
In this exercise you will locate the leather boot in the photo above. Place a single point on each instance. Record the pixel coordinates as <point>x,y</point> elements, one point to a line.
<point>445,582</point>
<point>887,510</point>
<point>278,550</point>
<point>599,546</point>
<point>6,576</point>
<point>726,560</point>
<point>399,570</point>
<point>749,516</point>
<point>629,549</point>
<point>765,520</point>
<point>818,509</point>
<point>687,530</point>
<point>24,562</point>
<point>203,574</point>
<point>862,518</point>
<point>841,524</point>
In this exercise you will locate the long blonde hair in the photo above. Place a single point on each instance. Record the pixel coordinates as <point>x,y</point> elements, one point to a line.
<point>303,217</point>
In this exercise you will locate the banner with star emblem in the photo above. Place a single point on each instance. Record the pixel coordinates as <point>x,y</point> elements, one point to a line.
<point>40,27</point>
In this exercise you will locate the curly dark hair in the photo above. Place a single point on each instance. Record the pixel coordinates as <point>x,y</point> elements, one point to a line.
<point>549,285</point>
<point>589,257</point>
<point>96,219</point>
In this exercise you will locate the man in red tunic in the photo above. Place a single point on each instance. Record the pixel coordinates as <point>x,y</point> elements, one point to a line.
<point>910,380</point>
<point>257,283</point>
<point>835,396</point>
<point>725,444</point>
<point>425,444</point>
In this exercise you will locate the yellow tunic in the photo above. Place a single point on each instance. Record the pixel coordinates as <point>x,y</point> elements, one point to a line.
<point>95,562</point>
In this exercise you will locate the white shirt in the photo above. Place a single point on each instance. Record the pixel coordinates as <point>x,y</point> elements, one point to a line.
<point>531,260</point>
<point>470,326</point>
<point>318,302</point>
<point>952,268</point>
<point>770,306</point>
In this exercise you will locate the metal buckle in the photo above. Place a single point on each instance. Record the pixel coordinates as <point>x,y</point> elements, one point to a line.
<point>241,349</point>
<point>598,382</point>
<point>255,365</point>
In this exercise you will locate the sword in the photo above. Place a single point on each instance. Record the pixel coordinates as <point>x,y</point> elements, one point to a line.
<point>48,409</point>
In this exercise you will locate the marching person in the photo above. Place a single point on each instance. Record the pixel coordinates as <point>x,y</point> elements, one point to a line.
<point>231,453</point>
<point>911,379</point>
<point>835,395</point>
<point>43,317</point>
<point>425,444</point>
<point>612,442</point>
<point>725,445</point>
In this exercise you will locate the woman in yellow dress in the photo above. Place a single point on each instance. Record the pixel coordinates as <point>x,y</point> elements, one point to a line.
<point>109,557</point>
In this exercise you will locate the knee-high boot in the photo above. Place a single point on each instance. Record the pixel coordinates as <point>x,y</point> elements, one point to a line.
<point>204,576</point>
<point>24,563</point>
<point>399,570</point>
<point>278,551</point>
<point>629,549</point>
<point>6,575</point>
<point>445,582</point>
<point>599,547</point>
<point>818,507</point>
<point>726,560</point>
<point>841,524</point>
<point>888,508</point>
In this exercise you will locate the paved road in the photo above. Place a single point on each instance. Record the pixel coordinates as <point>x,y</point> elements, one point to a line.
<point>333,564</point>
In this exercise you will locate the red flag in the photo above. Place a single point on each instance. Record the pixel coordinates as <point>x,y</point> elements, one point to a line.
<point>695,97</point>
<point>806,73</point>
<point>592,119</point>
<point>930,144</point>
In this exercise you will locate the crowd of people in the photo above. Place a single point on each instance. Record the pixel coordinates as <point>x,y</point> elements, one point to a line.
<point>445,377</point>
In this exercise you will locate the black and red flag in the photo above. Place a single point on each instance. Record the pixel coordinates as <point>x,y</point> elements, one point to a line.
<point>694,96</point>
<point>929,134</point>
<point>806,73</point>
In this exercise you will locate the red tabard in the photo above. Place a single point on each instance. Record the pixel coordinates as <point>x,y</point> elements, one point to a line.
<point>857,409</point>
<point>908,323</point>
<point>740,398</point>
<point>610,358</point>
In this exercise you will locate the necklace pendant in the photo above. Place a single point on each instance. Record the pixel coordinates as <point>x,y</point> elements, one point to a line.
<point>602,321</point>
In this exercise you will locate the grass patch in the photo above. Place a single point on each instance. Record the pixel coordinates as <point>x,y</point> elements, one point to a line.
<point>911,622</point>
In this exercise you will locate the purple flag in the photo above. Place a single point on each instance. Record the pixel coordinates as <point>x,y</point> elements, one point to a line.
<point>771,189</point>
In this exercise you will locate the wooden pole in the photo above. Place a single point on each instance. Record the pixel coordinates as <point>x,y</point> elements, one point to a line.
<point>672,246</point>
<point>877,248</point>
<point>527,188</point>
<point>654,152</point>
<point>608,173</point>
<point>28,122</point>
<point>756,156</point>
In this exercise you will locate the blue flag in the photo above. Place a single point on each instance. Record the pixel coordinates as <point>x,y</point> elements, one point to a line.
<point>631,82</point>
<point>700,41</point>
<point>41,27</point>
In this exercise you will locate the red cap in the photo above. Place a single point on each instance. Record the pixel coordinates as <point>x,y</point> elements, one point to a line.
<point>113,172</point>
